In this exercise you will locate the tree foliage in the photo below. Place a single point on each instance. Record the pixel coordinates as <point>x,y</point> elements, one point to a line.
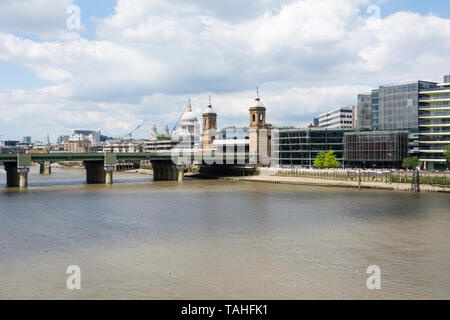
<point>447,155</point>
<point>410,163</point>
<point>331,160</point>
<point>320,160</point>
<point>326,160</point>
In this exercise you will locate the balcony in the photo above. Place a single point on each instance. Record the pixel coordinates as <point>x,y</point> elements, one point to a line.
<point>435,91</point>
<point>442,125</point>
<point>435,134</point>
<point>435,117</point>
<point>431,151</point>
<point>434,100</point>
<point>436,142</point>
<point>434,109</point>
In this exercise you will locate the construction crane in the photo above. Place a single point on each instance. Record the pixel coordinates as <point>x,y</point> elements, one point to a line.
<point>179,119</point>
<point>130,135</point>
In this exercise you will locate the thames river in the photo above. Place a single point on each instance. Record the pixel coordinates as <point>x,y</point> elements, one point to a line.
<point>215,239</point>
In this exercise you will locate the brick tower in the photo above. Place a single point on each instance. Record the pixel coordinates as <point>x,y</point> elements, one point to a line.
<point>209,126</point>
<point>257,131</point>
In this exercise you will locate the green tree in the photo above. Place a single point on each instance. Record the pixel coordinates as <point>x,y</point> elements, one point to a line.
<point>320,160</point>
<point>410,163</point>
<point>331,161</point>
<point>447,155</point>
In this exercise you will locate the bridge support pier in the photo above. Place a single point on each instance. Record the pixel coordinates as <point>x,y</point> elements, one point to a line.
<point>167,171</point>
<point>16,177</point>
<point>23,177</point>
<point>95,172</point>
<point>109,174</point>
<point>45,168</point>
<point>156,171</point>
<point>180,173</point>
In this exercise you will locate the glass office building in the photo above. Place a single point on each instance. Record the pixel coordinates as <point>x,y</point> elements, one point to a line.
<point>364,111</point>
<point>421,107</point>
<point>398,105</point>
<point>375,149</point>
<point>375,110</point>
<point>299,147</point>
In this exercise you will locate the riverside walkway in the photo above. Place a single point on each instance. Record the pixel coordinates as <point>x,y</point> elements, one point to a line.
<point>337,183</point>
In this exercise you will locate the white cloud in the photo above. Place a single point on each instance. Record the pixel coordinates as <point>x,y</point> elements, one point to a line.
<point>152,55</point>
<point>43,18</point>
<point>28,112</point>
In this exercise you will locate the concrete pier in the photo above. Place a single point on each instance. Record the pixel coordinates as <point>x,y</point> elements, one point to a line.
<point>167,171</point>
<point>23,177</point>
<point>155,171</point>
<point>16,177</point>
<point>45,168</point>
<point>95,172</point>
<point>180,170</point>
<point>109,174</point>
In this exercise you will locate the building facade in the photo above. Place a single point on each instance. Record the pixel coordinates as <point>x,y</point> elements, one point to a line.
<point>77,146</point>
<point>233,139</point>
<point>421,107</point>
<point>375,149</point>
<point>434,124</point>
<point>159,145</point>
<point>94,137</point>
<point>300,147</point>
<point>364,111</point>
<point>339,118</point>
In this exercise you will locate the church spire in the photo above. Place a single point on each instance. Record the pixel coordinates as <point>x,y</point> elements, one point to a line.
<point>189,107</point>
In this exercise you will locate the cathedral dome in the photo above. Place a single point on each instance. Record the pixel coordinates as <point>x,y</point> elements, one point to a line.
<point>189,117</point>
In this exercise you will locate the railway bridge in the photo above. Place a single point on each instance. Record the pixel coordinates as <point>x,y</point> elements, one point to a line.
<point>99,167</point>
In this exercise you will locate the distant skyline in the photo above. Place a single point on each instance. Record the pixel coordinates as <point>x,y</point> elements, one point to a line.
<point>141,60</point>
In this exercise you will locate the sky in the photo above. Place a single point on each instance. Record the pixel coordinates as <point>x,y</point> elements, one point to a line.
<point>128,61</point>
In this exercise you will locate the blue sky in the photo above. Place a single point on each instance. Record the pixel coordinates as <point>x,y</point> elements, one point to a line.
<point>437,7</point>
<point>144,60</point>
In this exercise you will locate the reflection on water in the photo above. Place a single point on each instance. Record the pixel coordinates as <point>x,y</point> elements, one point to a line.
<point>219,240</point>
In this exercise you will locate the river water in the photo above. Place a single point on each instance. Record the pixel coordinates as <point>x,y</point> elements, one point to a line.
<point>139,239</point>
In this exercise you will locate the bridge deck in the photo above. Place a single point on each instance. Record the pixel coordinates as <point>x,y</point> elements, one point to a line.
<point>112,158</point>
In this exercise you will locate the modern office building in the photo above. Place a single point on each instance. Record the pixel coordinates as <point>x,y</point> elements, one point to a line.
<point>398,105</point>
<point>375,118</point>
<point>300,147</point>
<point>338,118</point>
<point>421,107</point>
<point>434,124</point>
<point>364,120</point>
<point>94,137</point>
<point>375,149</point>
<point>315,122</point>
